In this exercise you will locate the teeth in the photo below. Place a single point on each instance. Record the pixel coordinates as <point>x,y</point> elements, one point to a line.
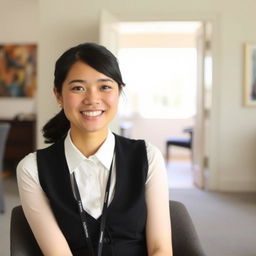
<point>91,113</point>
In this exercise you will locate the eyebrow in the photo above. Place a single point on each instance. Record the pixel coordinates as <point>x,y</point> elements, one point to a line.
<point>77,81</point>
<point>84,81</point>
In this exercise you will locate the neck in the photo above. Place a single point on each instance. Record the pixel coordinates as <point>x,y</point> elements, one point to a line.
<point>88,143</point>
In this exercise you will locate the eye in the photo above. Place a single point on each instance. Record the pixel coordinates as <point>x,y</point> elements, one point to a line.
<point>106,87</point>
<point>77,88</point>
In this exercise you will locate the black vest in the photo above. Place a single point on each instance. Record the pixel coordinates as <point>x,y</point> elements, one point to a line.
<point>126,214</point>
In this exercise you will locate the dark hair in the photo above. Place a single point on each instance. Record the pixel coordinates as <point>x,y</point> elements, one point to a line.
<point>96,56</point>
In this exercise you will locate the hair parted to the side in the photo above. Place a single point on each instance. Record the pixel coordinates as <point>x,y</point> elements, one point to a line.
<point>94,55</point>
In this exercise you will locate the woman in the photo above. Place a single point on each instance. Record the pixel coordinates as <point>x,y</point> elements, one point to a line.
<point>93,192</point>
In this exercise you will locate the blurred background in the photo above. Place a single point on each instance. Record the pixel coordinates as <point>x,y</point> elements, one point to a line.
<point>189,69</point>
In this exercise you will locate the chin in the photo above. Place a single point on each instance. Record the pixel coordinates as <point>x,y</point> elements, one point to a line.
<point>94,129</point>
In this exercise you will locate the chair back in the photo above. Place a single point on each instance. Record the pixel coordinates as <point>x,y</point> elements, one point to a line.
<point>4,129</point>
<point>185,241</point>
<point>23,242</point>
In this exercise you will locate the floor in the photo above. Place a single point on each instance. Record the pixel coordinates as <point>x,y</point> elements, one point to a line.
<point>225,222</point>
<point>179,174</point>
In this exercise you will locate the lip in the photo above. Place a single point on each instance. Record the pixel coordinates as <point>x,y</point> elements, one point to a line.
<point>92,114</point>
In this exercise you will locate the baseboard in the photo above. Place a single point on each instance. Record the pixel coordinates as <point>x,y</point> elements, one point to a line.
<point>179,159</point>
<point>237,185</point>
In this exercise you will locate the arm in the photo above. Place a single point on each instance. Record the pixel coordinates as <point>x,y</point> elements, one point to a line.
<point>158,227</point>
<point>38,212</point>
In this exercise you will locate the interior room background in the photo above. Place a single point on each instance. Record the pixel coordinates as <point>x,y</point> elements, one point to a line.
<point>57,25</point>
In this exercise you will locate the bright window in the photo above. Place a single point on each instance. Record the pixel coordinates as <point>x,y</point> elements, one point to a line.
<point>160,82</point>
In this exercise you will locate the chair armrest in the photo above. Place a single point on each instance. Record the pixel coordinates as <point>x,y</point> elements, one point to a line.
<point>185,240</point>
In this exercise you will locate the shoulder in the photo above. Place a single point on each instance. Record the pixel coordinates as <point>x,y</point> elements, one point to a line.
<point>130,146</point>
<point>156,163</point>
<point>128,141</point>
<point>27,167</point>
<point>48,154</point>
<point>28,161</point>
<point>153,154</point>
<point>51,148</point>
<point>155,157</point>
<point>152,151</point>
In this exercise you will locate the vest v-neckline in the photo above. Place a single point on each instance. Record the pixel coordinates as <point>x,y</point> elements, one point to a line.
<point>116,186</point>
<point>126,215</point>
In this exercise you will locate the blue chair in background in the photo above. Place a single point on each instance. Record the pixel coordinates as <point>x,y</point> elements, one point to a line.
<point>4,129</point>
<point>179,141</point>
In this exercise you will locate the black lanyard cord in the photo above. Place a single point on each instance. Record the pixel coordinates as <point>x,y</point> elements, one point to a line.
<point>103,215</point>
<point>104,212</point>
<point>82,216</point>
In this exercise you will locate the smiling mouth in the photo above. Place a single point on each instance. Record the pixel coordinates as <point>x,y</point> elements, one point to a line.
<point>92,113</point>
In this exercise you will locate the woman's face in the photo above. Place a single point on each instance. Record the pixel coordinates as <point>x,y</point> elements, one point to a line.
<point>89,99</point>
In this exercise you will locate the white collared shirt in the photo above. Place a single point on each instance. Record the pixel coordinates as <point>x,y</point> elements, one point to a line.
<point>91,174</point>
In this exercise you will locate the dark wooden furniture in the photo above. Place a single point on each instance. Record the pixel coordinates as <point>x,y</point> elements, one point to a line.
<point>20,141</point>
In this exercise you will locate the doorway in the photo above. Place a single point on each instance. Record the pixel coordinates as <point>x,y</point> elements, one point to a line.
<point>162,67</point>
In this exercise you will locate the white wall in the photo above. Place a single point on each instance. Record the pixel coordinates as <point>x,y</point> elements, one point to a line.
<point>233,134</point>
<point>19,23</point>
<point>146,129</point>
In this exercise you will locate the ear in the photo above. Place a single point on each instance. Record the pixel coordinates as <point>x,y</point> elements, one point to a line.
<point>58,96</point>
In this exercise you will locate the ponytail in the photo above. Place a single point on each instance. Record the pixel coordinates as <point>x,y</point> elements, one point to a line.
<point>56,128</point>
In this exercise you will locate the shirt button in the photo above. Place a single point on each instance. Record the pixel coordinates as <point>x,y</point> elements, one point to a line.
<point>106,240</point>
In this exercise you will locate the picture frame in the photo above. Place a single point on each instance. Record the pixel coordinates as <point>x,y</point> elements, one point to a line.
<point>18,70</point>
<point>250,74</point>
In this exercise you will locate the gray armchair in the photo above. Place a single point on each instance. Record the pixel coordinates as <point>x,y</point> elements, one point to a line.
<point>4,129</point>
<point>185,239</point>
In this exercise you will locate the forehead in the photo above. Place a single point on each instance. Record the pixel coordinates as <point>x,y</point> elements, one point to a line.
<point>82,70</point>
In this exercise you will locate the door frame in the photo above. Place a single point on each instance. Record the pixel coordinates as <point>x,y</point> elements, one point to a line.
<point>212,174</point>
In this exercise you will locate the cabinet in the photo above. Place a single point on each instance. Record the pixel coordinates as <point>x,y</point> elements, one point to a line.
<point>20,141</point>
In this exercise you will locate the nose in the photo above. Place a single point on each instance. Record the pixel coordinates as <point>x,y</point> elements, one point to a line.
<point>92,97</point>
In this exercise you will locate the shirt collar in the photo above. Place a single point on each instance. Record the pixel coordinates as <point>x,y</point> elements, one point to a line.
<point>104,154</point>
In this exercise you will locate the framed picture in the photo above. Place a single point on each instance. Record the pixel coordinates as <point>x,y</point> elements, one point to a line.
<point>18,70</point>
<point>250,75</point>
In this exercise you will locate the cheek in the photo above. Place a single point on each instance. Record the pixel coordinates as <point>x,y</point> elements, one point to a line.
<point>113,100</point>
<point>70,101</point>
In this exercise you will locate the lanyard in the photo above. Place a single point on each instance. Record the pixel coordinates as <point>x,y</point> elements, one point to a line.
<point>103,216</point>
